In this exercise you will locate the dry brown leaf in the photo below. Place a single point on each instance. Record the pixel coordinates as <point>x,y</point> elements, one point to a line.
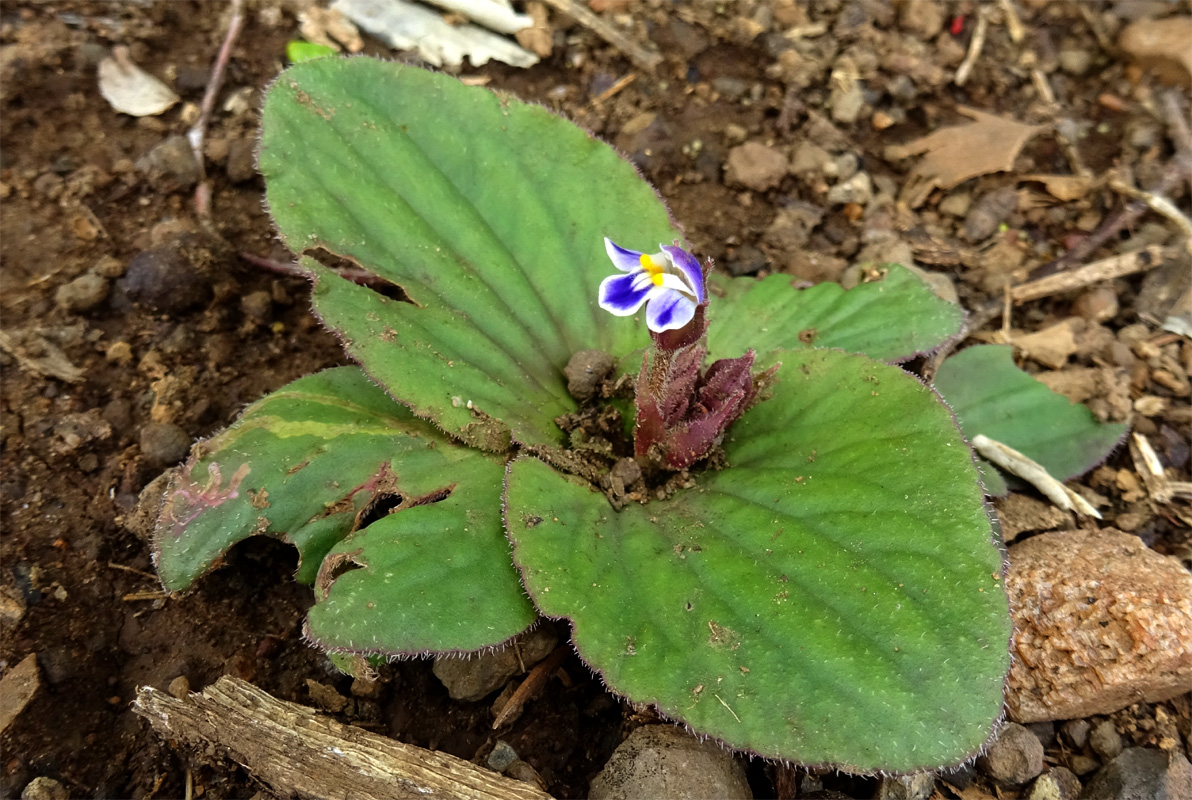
<point>954,154</point>
<point>539,37</point>
<point>1164,45</point>
<point>1064,187</point>
<point>1052,346</point>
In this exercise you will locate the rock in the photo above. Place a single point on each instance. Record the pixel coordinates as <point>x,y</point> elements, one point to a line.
<point>755,166</point>
<point>163,444</point>
<point>257,306</point>
<point>476,677</point>
<point>956,204</point>
<point>502,756</point>
<point>172,278</point>
<point>1075,60</point>
<point>108,267</point>
<point>857,189</point>
<point>648,141</point>
<point>1014,758</point>
<point>810,158</point>
<point>44,789</point>
<point>172,162</point>
<point>242,163</point>
<point>1099,304</point>
<point>1142,774</point>
<point>846,104</point>
<point>918,786</point>
<point>1105,740</point>
<point>17,688</point>
<point>1058,783</point>
<point>1161,45</point>
<point>179,687</point>
<point>989,212</point>
<point>1093,640</point>
<point>923,18</point>
<point>326,697</point>
<point>791,228</point>
<point>1076,731</point>
<point>82,294</point>
<point>586,371</point>
<point>664,762</point>
<point>746,260</point>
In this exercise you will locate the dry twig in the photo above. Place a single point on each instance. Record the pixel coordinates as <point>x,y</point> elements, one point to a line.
<point>975,46</point>
<point>644,58</point>
<point>532,684</point>
<point>199,130</point>
<point>1034,473</point>
<point>1096,272</point>
<point>298,752</point>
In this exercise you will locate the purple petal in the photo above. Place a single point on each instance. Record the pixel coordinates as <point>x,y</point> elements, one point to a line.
<point>624,294</point>
<point>624,260</point>
<point>687,264</point>
<point>669,310</point>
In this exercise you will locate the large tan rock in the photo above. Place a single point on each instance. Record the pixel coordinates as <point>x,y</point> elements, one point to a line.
<point>1100,622</point>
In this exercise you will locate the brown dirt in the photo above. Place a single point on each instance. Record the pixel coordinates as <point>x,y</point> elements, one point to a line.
<point>78,586</point>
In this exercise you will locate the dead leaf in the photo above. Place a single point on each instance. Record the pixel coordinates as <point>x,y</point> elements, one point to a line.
<point>538,38</point>
<point>130,89</point>
<point>1053,346</point>
<point>1163,45</point>
<point>959,152</point>
<point>330,28</point>
<point>38,355</point>
<point>1064,187</point>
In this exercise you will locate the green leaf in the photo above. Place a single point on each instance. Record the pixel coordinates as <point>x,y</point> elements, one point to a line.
<point>991,396</point>
<point>298,51</point>
<point>892,319</point>
<point>434,575</point>
<point>490,215</point>
<point>830,597</point>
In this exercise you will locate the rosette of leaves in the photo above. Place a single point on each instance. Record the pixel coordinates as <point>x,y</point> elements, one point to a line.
<point>829,594</point>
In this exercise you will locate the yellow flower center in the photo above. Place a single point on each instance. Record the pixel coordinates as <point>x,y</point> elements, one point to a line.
<point>653,268</point>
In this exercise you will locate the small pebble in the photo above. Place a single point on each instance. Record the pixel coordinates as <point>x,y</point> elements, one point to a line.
<point>502,756</point>
<point>171,278</point>
<point>1105,740</point>
<point>44,789</point>
<point>1015,758</point>
<point>82,294</point>
<point>1099,304</point>
<point>918,786</point>
<point>109,267</point>
<point>857,189</point>
<point>163,444</point>
<point>172,161</point>
<point>241,165</point>
<point>1076,731</point>
<point>755,166</point>
<point>180,687</point>
<point>1058,783</point>
<point>257,306</point>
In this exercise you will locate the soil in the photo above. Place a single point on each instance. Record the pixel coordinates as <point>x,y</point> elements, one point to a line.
<point>159,364</point>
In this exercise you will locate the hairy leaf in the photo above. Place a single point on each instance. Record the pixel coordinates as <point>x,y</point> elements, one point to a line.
<point>831,597</point>
<point>991,396</point>
<point>330,452</point>
<point>891,319</point>
<point>490,215</point>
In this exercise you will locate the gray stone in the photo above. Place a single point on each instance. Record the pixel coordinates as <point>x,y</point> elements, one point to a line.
<point>242,164</point>
<point>1142,774</point>
<point>1075,60</point>
<point>1105,740</point>
<point>479,676</point>
<point>791,227</point>
<point>82,294</point>
<point>665,763</point>
<point>846,104</point>
<point>44,789</point>
<point>923,18</point>
<point>857,189</point>
<point>755,166</point>
<point>990,211</point>
<point>1014,758</point>
<point>1076,731</point>
<point>918,786</point>
<point>163,444</point>
<point>172,160</point>
<point>502,756</point>
<point>1058,783</point>
<point>810,158</point>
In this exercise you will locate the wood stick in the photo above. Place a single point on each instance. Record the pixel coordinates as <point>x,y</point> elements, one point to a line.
<point>1096,272</point>
<point>644,58</point>
<point>299,752</point>
<point>532,684</point>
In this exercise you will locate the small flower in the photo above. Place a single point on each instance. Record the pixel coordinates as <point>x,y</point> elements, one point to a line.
<point>670,282</point>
